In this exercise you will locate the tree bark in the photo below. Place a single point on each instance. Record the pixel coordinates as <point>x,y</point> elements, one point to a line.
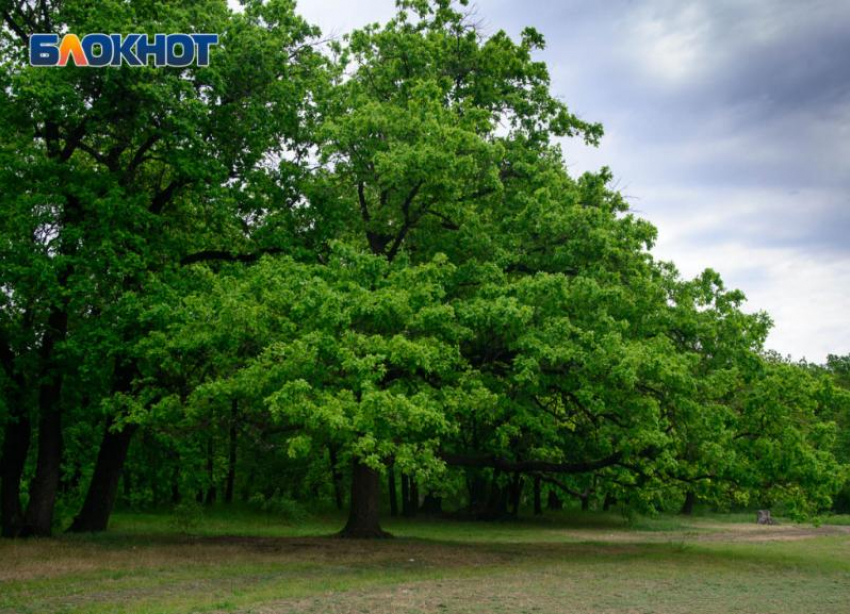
<point>100,498</point>
<point>538,506</point>
<point>554,503</point>
<point>103,489</point>
<point>38,520</point>
<point>365,506</point>
<point>231,456</point>
<point>516,487</point>
<point>688,505</point>
<point>45,484</point>
<point>392,491</point>
<point>16,443</point>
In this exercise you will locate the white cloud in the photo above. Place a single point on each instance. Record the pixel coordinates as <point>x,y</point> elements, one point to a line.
<point>805,295</point>
<point>670,46</point>
<point>337,17</point>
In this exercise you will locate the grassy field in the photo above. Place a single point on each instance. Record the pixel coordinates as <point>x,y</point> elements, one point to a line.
<point>566,564</point>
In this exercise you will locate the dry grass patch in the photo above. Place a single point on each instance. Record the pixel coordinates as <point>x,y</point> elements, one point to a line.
<point>464,568</point>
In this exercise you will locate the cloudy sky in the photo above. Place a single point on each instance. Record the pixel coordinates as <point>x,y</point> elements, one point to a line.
<point>727,125</point>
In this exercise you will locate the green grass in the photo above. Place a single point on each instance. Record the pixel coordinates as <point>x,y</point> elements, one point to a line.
<point>836,519</point>
<point>239,561</point>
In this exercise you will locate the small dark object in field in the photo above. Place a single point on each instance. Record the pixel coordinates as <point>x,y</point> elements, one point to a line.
<point>764,517</point>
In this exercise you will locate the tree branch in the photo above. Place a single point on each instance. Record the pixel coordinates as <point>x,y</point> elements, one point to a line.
<point>139,156</point>
<point>214,255</point>
<point>17,29</point>
<point>408,221</point>
<point>448,224</point>
<point>164,196</point>
<point>564,487</point>
<point>73,140</point>
<point>457,460</point>
<point>364,209</point>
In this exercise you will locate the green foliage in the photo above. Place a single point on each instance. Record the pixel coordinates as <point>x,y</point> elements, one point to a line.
<point>300,257</point>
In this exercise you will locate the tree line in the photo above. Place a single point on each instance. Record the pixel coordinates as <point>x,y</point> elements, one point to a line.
<point>317,266</point>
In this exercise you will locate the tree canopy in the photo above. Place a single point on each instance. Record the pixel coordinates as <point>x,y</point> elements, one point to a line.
<point>316,263</point>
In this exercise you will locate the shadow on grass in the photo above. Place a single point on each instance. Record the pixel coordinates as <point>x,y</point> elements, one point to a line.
<point>591,537</point>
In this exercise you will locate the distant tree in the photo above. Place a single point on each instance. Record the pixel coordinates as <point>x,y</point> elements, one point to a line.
<point>837,397</point>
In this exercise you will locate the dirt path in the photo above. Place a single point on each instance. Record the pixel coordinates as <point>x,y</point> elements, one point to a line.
<point>707,532</point>
<point>759,533</point>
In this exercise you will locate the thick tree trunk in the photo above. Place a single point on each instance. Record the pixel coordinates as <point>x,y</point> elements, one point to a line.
<point>365,506</point>
<point>609,501</point>
<point>538,506</point>
<point>38,520</point>
<point>517,484</point>
<point>392,491</point>
<point>231,452</point>
<point>688,505</point>
<point>100,498</point>
<point>45,484</point>
<point>554,503</point>
<point>16,443</point>
<point>585,501</point>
